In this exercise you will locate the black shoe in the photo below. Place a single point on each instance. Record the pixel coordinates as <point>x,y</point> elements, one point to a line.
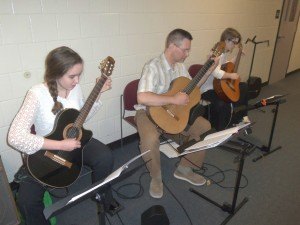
<point>114,208</point>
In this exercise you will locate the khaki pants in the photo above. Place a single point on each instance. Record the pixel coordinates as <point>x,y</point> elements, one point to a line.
<point>149,139</point>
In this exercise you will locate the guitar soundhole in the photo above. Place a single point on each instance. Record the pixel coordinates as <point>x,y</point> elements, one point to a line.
<point>72,132</point>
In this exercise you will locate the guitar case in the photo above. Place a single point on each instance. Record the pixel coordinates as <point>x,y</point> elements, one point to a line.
<point>254,87</point>
<point>195,112</point>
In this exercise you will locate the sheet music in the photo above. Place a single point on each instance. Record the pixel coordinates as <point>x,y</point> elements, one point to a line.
<point>210,141</point>
<point>111,177</point>
<point>217,138</point>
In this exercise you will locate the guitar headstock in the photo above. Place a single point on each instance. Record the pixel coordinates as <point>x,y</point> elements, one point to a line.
<point>218,49</point>
<point>107,65</point>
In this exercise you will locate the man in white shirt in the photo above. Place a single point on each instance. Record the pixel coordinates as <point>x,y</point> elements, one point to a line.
<point>156,78</point>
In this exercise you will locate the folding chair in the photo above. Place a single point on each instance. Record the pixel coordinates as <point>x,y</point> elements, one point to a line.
<point>127,101</point>
<point>198,109</point>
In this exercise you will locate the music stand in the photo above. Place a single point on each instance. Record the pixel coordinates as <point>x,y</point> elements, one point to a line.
<point>91,191</point>
<point>232,208</point>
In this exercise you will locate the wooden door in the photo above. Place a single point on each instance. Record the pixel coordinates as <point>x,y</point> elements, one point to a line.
<point>285,38</point>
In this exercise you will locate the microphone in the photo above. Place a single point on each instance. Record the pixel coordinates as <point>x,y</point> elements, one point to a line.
<point>275,99</point>
<point>270,101</point>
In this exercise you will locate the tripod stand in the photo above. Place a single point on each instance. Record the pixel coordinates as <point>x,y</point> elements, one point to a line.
<point>232,208</point>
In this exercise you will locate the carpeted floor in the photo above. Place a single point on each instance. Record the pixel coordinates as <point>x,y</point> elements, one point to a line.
<point>270,184</point>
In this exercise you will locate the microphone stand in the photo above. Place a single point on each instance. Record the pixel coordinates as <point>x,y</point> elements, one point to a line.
<point>255,43</point>
<point>264,148</point>
<point>267,149</point>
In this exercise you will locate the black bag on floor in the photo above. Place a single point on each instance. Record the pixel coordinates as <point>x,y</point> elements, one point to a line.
<point>254,87</point>
<point>155,215</point>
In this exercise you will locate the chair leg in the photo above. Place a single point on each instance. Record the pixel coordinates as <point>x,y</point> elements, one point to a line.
<point>121,119</point>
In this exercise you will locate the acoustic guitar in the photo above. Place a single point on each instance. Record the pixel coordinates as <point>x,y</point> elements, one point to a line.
<point>227,89</point>
<point>61,168</point>
<point>171,118</point>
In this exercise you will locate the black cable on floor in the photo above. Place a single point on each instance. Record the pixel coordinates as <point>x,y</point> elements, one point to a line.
<point>201,170</point>
<point>141,192</point>
<point>184,210</point>
<point>135,196</point>
<point>220,171</point>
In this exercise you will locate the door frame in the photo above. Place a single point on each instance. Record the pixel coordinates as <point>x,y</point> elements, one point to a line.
<point>279,26</point>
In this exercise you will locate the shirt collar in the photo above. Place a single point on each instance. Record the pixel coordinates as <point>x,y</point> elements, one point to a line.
<point>165,62</point>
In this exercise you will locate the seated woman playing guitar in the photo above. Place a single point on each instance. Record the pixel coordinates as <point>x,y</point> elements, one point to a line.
<point>222,108</point>
<point>42,104</point>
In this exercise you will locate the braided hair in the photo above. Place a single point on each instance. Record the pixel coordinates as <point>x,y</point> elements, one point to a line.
<point>57,63</point>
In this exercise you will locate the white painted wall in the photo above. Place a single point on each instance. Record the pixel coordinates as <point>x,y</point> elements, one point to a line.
<point>132,31</point>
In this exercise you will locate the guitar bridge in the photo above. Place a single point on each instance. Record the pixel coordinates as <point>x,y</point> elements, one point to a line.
<point>58,159</point>
<point>170,112</point>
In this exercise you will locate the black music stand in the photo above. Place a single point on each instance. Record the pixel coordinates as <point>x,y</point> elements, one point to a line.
<point>232,208</point>
<point>91,192</point>
<point>267,149</point>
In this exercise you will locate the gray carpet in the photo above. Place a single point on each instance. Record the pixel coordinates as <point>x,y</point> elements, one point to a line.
<point>271,184</point>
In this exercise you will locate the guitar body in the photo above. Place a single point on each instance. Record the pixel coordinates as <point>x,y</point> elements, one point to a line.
<point>174,118</point>
<point>228,90</point>
<point>48,170</point>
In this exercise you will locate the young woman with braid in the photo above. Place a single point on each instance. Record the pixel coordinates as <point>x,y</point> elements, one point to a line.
<point>60,90</point>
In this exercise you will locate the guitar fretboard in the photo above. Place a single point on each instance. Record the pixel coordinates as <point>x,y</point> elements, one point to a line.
<point>90,101</point>
<point>190,87</point>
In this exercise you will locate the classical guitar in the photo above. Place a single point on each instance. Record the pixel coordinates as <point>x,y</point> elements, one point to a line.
<point>174,118</point>
<point>61,168</point>
<point>227,89</point>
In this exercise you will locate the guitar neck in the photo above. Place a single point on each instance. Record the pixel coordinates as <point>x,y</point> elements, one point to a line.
<point>190,87</point>
<point>90,101</point>
<point>237,60</point>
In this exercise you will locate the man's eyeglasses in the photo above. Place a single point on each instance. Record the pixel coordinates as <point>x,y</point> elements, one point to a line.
<point>184,50</point>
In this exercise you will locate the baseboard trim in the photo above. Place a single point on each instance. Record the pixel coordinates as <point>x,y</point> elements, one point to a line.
<point>264,84</point>
<point>129,139</point>
<point>292,72</point>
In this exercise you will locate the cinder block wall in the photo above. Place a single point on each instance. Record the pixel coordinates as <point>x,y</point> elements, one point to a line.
<point>132,31</point>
